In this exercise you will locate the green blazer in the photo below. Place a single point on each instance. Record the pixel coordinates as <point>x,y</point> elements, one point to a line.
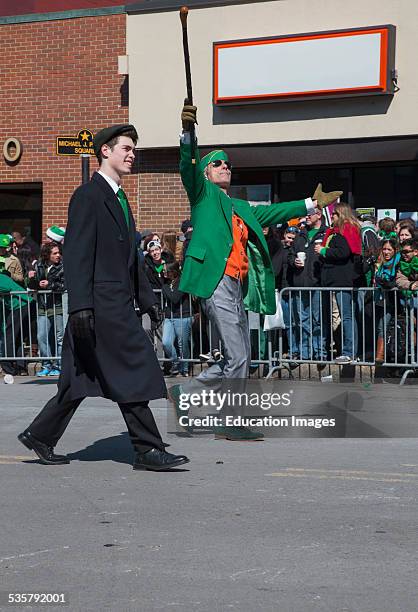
<point>211,243</point>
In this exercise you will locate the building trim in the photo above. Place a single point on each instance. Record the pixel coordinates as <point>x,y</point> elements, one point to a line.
<point>75,14</point>
<point>295,143</point>
<point>162,6</point>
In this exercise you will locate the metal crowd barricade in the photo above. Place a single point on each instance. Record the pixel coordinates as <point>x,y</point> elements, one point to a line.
<point>204,338</point>
<point>321,324</point>
<point>25,317</point>
<point>325,324</point>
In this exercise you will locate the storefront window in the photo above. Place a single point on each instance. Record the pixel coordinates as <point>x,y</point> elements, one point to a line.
<point>255,194</point>
<point>21,209</point>
<point>386,187</point>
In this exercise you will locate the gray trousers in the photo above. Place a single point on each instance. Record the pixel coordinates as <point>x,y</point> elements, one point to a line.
<point>225,310</point>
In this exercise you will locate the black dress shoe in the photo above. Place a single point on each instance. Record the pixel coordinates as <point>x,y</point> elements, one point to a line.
<point>158,460</point>
<point>45,453</point>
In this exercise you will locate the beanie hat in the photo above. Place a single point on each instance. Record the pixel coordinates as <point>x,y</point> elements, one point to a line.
<point>186,225</point>
<point>5,241</point>
<point>56,233</point>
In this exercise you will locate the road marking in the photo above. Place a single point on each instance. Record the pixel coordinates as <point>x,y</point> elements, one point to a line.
<point>5,459</point>
<point>32,554</point>
<point>322,474</point>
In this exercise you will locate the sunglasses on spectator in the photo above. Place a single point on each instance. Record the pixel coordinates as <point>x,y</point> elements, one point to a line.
<point>218,163</point>
<point>154,243</point>
<point>292,230</point>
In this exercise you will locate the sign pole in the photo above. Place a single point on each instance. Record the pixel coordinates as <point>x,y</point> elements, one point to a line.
<point>85,168</point>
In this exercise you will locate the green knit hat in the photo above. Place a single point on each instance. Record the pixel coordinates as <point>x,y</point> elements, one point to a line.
<point>56,233</point>
<point>5,241</point>
<point>212,156</point>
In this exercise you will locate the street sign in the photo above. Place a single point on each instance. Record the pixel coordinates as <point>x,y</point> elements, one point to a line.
<point>382,213</point>
<point>76,145</point>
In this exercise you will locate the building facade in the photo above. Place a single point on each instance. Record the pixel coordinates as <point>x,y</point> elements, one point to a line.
<point>96,63</point>
<point>365,143</point>
<point>59,77</point>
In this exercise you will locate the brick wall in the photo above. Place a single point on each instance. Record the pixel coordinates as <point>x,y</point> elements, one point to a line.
<point>163,203</point>
<point>58,77</point>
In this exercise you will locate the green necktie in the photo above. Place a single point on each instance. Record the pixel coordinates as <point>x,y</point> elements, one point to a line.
<point>124,203</point>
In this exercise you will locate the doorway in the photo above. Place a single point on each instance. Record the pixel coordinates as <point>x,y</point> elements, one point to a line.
<point>21,209</point>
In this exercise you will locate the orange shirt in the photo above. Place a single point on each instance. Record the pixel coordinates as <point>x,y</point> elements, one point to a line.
<point>237,264</point>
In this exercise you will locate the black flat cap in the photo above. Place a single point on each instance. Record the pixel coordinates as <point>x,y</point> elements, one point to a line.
<point>111,132</point>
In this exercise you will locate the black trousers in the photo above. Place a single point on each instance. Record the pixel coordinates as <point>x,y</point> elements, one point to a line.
<point>52,421</point>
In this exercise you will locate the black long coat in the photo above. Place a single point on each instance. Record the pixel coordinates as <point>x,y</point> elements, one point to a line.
<point>102,273</point>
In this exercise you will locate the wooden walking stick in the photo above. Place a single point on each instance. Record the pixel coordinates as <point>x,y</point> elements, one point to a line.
<point>184,11</point>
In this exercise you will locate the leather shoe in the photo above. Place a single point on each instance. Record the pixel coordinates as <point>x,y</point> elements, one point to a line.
<point>45,453</point>
<point>158,460</point>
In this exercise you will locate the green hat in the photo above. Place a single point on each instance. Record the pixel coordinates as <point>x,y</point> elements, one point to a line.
<point>213,156</point>
<point>111,132</point>
<point>5,241</point>
<point>56,233</point>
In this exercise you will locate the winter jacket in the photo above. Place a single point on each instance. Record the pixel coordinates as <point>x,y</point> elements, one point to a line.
<point>155,278</point>
<point>283,274</point>
<point>49,303</point>
<point>177,303</point>
<point>337,261</point>
<point>310,274</point>
<point>13,266</point>
<point>385,280</point>
<point>339,256</point>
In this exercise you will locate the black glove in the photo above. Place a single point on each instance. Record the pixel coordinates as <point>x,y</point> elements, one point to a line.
<point>384,283</point>
<point>156,316</point>
<point>82,324</point>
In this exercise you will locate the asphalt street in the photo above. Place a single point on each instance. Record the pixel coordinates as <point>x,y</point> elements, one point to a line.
<point>289,525</point>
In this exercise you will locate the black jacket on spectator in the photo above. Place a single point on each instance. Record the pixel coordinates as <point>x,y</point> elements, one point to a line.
<point>338,267</point>
<point>310,274</point>
<point>102,274</point>
<point>54,274</point>
<point>177,302</point>
<point>282,272</point>
<point>156,280</point>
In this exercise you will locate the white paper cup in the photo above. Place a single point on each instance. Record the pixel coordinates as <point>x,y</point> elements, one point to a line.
<point>302,256</point>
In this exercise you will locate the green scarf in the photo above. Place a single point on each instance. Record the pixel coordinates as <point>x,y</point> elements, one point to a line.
<point>408,268</point>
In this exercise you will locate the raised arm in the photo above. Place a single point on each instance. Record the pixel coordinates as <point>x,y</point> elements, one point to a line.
<point>190,169</point>
<point>284,211</point>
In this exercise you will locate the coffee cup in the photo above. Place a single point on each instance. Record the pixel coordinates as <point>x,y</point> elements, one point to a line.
<point>302,256</point>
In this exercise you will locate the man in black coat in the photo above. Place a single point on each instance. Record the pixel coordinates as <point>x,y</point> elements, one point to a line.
<point>106,351</point>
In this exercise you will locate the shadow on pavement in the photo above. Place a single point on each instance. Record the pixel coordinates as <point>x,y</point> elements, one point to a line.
<point>40,381</point>
<point>116,448</point>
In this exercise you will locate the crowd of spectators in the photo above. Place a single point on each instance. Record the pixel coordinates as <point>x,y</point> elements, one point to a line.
<point>32,300</point>
<point>312,258</point>
<point>354,324</point>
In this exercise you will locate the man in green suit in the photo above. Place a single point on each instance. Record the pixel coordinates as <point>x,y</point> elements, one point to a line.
<point>227,263</point>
